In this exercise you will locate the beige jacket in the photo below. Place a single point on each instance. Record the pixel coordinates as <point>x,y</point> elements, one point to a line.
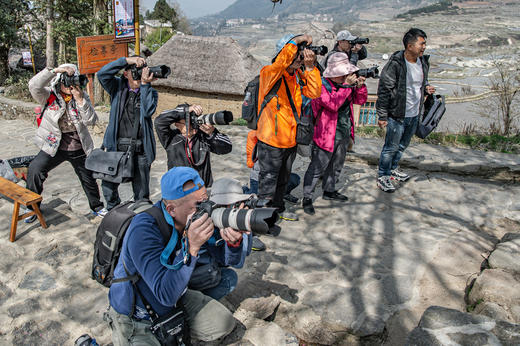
<point>48,135</point>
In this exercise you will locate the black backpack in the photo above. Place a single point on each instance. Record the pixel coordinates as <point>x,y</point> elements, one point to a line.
<point>250,111</point>
<point>434,109</point>
<point>110,234</point>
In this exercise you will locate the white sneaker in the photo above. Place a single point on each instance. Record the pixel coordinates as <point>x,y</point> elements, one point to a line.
<point>100,213</point>
<point>385,184</point>
<point>399,175</point>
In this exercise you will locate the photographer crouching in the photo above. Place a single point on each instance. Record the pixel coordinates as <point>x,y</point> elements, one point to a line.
<point>63,134</point>
<point>193,138</point>
<point>151,301</point>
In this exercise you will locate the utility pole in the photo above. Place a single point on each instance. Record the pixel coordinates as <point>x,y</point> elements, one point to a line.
<point>136,28</point>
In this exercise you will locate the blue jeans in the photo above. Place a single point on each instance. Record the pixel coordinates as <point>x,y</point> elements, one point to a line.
<point>227,284</point>
<point>398,136</point>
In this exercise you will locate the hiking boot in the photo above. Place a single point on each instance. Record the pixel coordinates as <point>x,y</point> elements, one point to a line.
<point>257,244</point>
<point>30,219</point>
<point>291,199</point>
<point>385,184</point>
<point>399,175</point>
<point>330,196</point>
<point>288,216</point>
<point>100,213</point>
<point>307,206</point>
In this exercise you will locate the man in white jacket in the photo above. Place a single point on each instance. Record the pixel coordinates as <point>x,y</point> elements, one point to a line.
<point>63,134</point>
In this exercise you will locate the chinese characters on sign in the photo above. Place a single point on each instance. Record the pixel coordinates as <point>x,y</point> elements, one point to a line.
<point>124,19</point>
<point>96,51</point>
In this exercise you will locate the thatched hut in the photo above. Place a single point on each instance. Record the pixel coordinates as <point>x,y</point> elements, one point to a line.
<point>211,71</point>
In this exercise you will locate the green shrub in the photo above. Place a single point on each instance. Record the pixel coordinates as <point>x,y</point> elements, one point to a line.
<point>17,85</point>
<point>157,38</point>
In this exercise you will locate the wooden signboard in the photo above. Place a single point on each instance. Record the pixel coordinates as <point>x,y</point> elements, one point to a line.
<point>94,52</point>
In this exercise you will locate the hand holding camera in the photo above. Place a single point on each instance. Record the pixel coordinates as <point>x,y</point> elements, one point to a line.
<point>65,69</point>
<point>199,231</point>
<point>136,60</point>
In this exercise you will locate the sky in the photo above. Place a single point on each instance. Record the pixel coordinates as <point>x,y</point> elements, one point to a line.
<point>194,8</point>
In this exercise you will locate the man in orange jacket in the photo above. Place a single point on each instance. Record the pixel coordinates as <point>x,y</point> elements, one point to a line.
<point>276,128</point>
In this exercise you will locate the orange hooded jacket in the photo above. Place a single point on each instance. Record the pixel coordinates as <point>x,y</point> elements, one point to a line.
<point>250,147</point>
<point>276,125</point>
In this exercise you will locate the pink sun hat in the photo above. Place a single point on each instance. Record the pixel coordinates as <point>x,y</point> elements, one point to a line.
<point>339,65</point>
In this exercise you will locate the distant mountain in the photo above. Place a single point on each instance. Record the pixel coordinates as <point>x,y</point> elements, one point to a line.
<point>340,8</point>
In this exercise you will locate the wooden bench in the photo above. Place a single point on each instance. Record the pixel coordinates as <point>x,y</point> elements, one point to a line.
<point>21,195</point>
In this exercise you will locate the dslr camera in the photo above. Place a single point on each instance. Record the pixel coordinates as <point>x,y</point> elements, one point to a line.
<point>360,40</point>
<point>74,80</point>
<point>372,72</point>
<point>257,219</point>
<point>194,121</point>
<point>318,50</point>
<point>161,71</point>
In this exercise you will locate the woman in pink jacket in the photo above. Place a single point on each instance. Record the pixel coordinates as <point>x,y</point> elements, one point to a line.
<point>334,120</point>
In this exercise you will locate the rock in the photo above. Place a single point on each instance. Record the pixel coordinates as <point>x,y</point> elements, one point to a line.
<point>5,293</point>
<point>492,310</point>
<point>43,333</point>
<point>442,326</point>
<point>266,333</point>
<point>259,308</point>
<point>56,253</point>
<point>506,256</point>
<point>28,306</point>
<point>37,279</point>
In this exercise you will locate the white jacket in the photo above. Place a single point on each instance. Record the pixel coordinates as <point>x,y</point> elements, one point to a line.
<point>48,135</point>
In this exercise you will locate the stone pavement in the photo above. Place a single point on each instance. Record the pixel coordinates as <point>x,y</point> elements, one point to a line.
<point>358,272</point>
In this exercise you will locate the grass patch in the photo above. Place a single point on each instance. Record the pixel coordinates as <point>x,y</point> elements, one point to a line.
<point>239,122</point>
<point>494,142</point>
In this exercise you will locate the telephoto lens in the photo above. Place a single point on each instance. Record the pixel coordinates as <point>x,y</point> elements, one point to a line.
<point>257,220</point>
<point>218,118</point>
<point>372,72</point>
<point>161,71</point>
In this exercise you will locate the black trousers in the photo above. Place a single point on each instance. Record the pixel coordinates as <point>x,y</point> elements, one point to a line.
<point>43,163</point>
<point>275,169</point>
<point>140,184</point>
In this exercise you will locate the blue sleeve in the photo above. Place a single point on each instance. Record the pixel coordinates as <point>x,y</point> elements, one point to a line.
<point>230,256</point>
<point>149,99</point>
<point>107,75</point>
<point>145,244</point>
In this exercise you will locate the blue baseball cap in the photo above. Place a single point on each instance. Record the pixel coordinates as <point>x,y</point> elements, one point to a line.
<point>173,181</point>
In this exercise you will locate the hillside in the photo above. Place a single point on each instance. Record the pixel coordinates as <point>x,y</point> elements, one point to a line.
<point>339,9</point>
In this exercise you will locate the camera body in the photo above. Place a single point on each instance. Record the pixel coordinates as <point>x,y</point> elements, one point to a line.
<point>74,80</point>
<point>161,71</point>
<point>360,40</point>
<point>194,121</point>
<point>257,219</point>
<point>372,72</point>
<point>318,50</point>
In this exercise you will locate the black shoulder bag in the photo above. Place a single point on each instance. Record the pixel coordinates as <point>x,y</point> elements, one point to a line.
<point>304,125</point>
<point>114,166</point>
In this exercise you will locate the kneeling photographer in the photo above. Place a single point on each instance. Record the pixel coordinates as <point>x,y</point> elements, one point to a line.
<point>193,138</point>
<point>151,302</point>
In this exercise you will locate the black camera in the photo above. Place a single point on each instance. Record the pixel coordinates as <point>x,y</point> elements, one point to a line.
<point>318,50</point>
<point>74,80</point>
<point>257,220</point>
<point>360,40</point>
<point>161,71</point>
<point>194,121</point>
<point>372,72</point>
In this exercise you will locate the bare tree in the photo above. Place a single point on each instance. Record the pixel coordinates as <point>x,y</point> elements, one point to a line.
<point>503,104</point>
<point>49,51</point>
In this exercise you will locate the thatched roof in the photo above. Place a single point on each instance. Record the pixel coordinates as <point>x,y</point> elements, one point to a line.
<point>206,64</point>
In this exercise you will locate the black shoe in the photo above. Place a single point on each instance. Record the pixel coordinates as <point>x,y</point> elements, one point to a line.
<point>334,196</point>
<point>257,244</point>
<point>307,206</point>
<point>291,199</point>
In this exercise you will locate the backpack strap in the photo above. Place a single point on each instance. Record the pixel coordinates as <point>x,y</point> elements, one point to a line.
<point>270,95</point>
<point>164,227</point>
<point>50,100</point>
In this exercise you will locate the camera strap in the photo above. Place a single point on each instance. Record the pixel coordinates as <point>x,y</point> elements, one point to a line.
<point>293,107</point>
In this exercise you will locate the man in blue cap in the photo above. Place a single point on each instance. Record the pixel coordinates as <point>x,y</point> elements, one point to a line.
<point>163,282</point>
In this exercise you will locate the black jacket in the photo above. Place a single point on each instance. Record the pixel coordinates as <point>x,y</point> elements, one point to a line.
<point>201,145</point>
<point>391,92</point>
